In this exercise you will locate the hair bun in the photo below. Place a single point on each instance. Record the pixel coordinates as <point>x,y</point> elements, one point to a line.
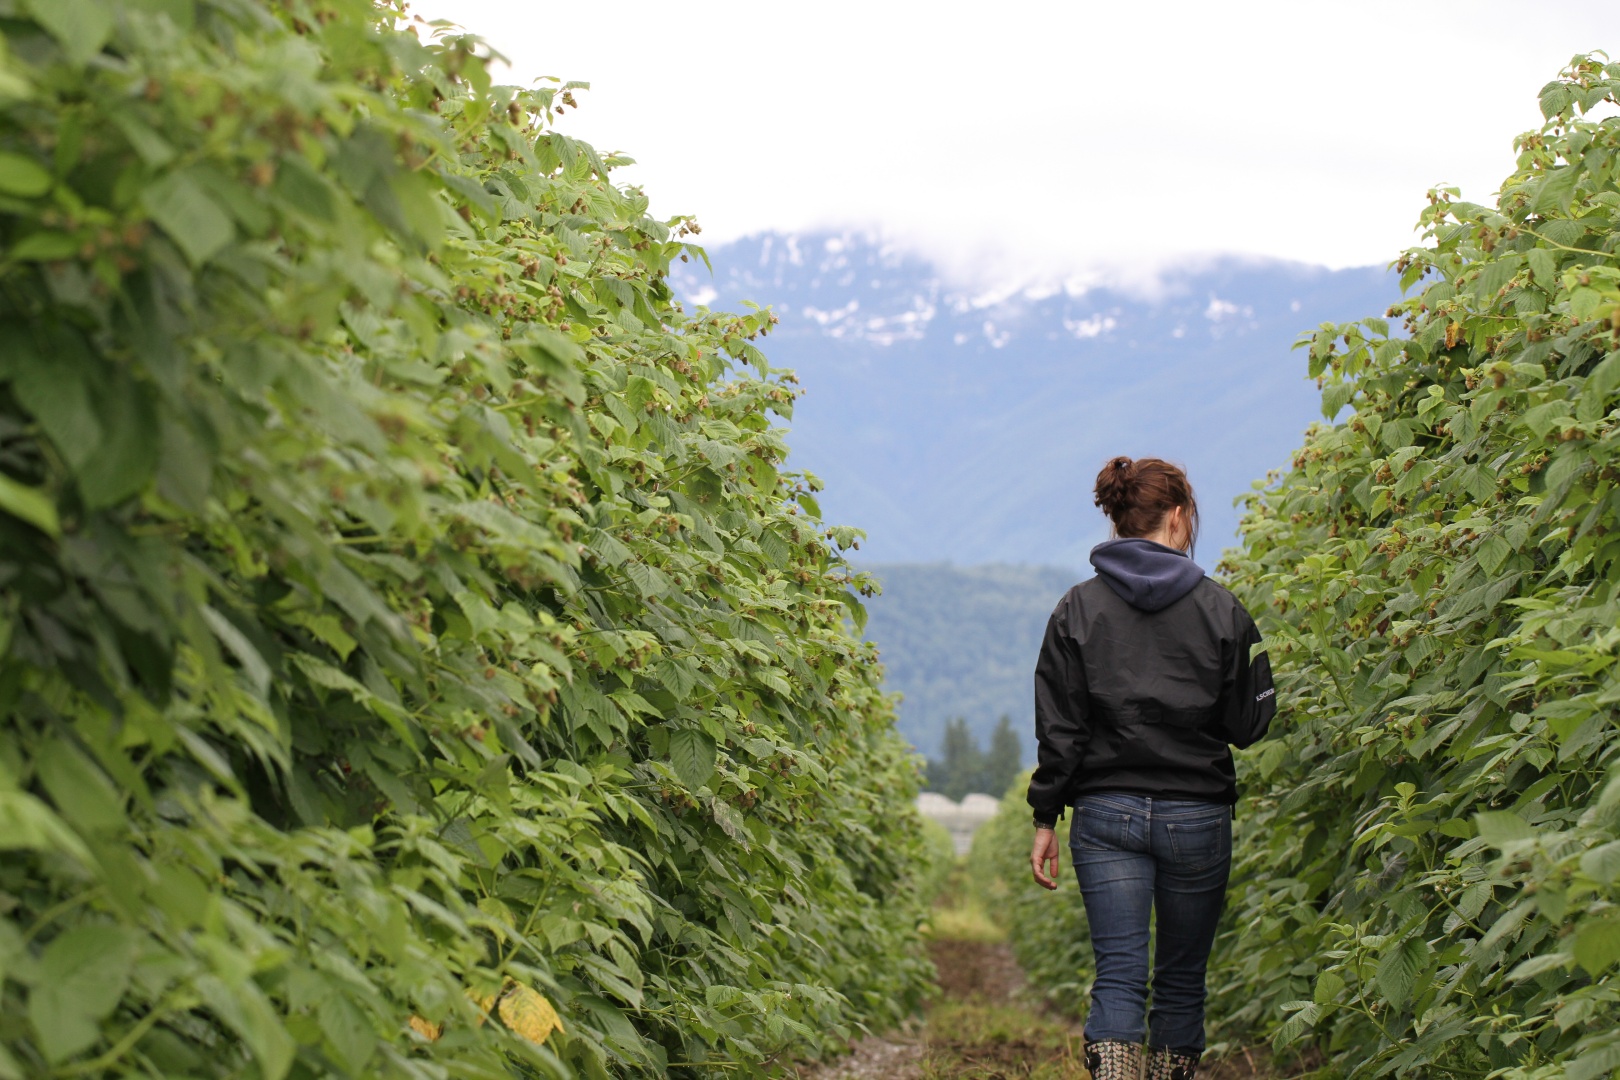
<point>1136,495</point>
<point>1113,491</point>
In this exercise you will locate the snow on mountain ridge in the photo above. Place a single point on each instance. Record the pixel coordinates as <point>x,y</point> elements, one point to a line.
<point>852,287</point>
<point>964,421</point>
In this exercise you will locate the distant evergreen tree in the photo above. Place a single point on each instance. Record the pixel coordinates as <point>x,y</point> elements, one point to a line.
<point>1005,759</point>
<point>962,768</point>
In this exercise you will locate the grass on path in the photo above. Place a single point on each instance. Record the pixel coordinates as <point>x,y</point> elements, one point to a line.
<point>984,1024</point>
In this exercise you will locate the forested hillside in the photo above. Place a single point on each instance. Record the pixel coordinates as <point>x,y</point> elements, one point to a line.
<point>1428,861</point>
<point>966,423</point>
<point>416,659</point>
<point>961,642</point>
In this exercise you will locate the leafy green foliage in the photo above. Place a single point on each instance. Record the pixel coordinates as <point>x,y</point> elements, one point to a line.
<point>939,860</point>
<point>1439,582</point>
<point>408,628</point>
<point>1048,932</point>
<point>1428,853</point>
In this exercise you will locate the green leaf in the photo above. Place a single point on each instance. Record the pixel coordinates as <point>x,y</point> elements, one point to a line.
<point>1556,96</point>
<point>1539,965</point>
<point>857,610</point>
<point>29,504</point>
<point>184,470</point>
<point>256,671</point>
<point>1336,396</point>
<point>23,176</point>
<point>692,753</point>
<point>1398,969</point>
<point>127,455</point>
<point>1604,378</point>
<point>1594,1062</point>
<point>421,212</point>
<point>730,821</point>
<point>1329,985</point>
<point>347,1031</point>
<point>1557,190</point>
<point>305,191</point>
<point>1501,827</point>
<point>1495,275</point>
<point>81,27</point>
<point>639,391</point>
<point>190,216</point>
<point>58,397</point>
<point>153,148</point>
<point>82,976</point>
<point>1305,1014</point>
<point>44,247</point>
<point>1542,418</point>
<point>677,676</point>
<point>244,1009</point>
<point>1566,466</point>
<point>1597,944</point>
<point>81,791</point>
<point>28,824</point>
<point>1492,553</point>
<point>1602,863</point>
<point>1458,827</point>
<point>1585,303</point>
<point>1543,267</point>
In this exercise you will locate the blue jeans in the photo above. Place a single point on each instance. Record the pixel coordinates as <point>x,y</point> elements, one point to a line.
<point>1133,854</point>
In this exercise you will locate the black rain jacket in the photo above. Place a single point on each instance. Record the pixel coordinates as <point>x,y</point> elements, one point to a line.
<point>1144,683</point>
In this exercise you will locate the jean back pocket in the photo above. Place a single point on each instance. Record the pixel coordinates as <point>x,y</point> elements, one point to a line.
<point>1198,845</point>
<point>1101,830</point>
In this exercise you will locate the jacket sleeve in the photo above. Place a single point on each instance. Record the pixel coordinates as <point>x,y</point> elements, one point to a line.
<point>1061,726</point>
<point>1250,699</point>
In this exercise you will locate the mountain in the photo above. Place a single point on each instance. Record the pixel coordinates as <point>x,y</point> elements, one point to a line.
<point>961,641</point>
<point>963,428</point>
<point>967,426</point>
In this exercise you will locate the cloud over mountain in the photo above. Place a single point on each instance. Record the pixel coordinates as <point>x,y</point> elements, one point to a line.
<point>966,424</point>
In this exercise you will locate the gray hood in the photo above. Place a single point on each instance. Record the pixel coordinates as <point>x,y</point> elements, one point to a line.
<point>1147,576</point>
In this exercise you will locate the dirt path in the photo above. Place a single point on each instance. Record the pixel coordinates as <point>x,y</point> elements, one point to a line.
<point>981,1027</point>
<point>984,1026</point>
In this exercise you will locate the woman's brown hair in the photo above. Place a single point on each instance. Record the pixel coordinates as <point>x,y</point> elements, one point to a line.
<point>1137,494</point>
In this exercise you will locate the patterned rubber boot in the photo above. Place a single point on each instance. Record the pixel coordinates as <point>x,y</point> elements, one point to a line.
<point>1171,1065</point>
<point>1111,1059</point>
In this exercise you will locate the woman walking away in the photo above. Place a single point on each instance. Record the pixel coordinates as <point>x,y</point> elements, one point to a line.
<point>1144,678</point>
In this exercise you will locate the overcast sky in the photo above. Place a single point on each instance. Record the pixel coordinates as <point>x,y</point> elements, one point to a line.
<point>1023,136</point>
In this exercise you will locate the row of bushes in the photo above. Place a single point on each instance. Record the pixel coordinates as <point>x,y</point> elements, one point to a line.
<point>416,660</point>
<point>1428,851</point>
